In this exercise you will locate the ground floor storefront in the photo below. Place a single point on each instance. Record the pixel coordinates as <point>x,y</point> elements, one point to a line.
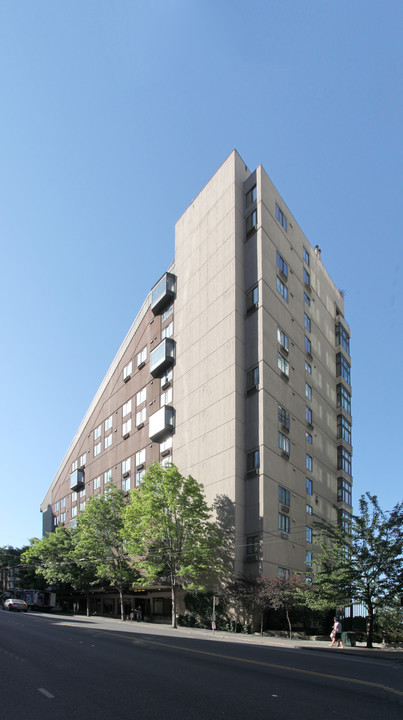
<point>146,605</point>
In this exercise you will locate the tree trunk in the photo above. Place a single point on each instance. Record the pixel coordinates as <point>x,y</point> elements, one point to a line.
<point>88,605</point>
<point>173,596</point>
<point>261,623</point>
<point>370,627</point>
<point>122,607</point>
<point>289,623</point>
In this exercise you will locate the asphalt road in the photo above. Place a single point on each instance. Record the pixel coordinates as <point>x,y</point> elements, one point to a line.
<point>63,667</point>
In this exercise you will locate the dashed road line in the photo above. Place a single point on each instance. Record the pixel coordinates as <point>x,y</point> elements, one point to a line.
<point>46,693</point>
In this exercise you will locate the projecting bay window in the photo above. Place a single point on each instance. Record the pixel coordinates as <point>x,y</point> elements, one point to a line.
<point>163,293</point>
<point>162,357</point>
<point>343,429</point>
<point>161,423</point>
<point>344,460</point>
<point>342,337</point>
<point>77,480</point>
<point>343,368</point>
<point>344,491</point>
<point>343,398</point>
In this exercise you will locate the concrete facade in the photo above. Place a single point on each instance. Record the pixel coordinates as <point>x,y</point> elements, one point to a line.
<point>243,350</point>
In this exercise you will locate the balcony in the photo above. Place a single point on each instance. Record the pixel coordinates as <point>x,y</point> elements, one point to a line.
<point>162,357</point>
<point>161,423</point>
<point>77,480</point>
<point>163,293</point>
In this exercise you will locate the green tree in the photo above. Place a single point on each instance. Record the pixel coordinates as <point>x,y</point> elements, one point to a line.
<point>55,559</point>
<point>169,531</point>
<point>101,541</point>
<point>361,563</point>
<point>284,593</point>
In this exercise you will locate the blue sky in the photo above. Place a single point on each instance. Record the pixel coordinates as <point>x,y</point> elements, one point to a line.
<point>113,117</point>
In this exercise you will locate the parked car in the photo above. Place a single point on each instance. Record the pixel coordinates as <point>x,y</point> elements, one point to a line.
<point>15,604</point>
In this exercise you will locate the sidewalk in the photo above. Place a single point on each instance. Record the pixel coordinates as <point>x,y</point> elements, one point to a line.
<point>378,651</point>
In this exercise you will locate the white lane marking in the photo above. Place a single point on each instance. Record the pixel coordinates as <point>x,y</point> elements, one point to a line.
<point>46,693</point>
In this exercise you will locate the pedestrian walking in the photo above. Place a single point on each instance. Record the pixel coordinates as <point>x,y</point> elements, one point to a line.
<point>336,633</point>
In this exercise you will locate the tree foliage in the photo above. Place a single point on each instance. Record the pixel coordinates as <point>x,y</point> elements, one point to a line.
<point>363,563</point>
<point>169,531</point>
<point>101,541</point>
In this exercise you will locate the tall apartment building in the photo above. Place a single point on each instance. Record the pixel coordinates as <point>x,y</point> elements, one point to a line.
<point>237,369</point>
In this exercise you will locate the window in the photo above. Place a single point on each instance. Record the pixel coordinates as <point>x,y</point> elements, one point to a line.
<point>167,378</point>
<point>343,398</point>
<point>127,408</point>
<point>281,217</point>
<point>63,502</point>
<point>73,497</point>
<point>307,278</point>
<point>252,299</point>
<point>284,443</point>
<point>166,445</point>
<point>308,509</point>
<point>344,519</point>
<point>343,368</point>
<point>252,378</point>
<point>308,437</point>
<point>82,506</point>
<point>309,534</point>
<point>167,313</point>
<point>83,493</point>
<point>55,521</point>
<point>307,299</point>
<point>97,482</point>
<point>166,397</point>
<point>74,511</point>
<point>167,331</point>
<point>308,415</point>
<point>63,517</point>
<point>282,338</point>
<point>307,322</point>
<point>126,465</point>
<point>127,370</point>
<point>283,523</point>
<point>97,432</point>
<point>281,264</point>
<point>252,460</point>
<point>97,449</point>
<point>343,429</point>
<point>251,196</point>
<point>108,423</point>
<point>139,477</point>
<point>284,496</point>
<point>141,416</point>
<point>141,396</point>
<point>251,222</point>
<point>108,441</point>
<point>308,367</point>
<point>344,460</point>
<point>252,545</point>
<point>283,365</point>
<point>283,573</point>
<point>56,507</point>
<point>305,255</point>
<point>283,417</point>
<point>308,346</point>
<point>342,337</point>
<point>309,486</point>
<point>126,484</point>
<point>83,459</point>
<point>74,465</point>
<point>309,462</point>
<point>140,457</point>
<point>142,357</point>
<point>308,391</point>
<point>344,491</point>
<point>107,476</point>
<point>282,289</point>
<point>308,558</point>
